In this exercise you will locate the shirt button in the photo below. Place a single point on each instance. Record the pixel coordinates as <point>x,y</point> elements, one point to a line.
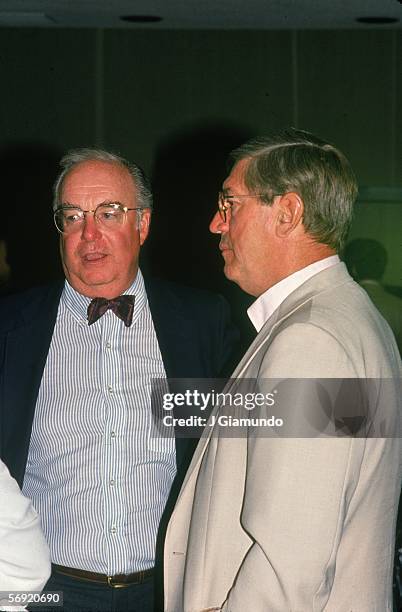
<point>110,389</point>
<point>113,434</point>
<point>108,345</point>
<point>111,482</point>
<point>113,530</point>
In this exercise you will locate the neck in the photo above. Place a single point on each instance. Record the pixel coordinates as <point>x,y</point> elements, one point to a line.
<point>304,257</point>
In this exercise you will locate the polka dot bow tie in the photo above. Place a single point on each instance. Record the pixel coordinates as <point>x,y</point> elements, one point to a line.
<point>122,306</point>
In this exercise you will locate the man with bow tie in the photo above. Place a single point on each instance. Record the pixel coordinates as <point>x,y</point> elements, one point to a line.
<point>77,361</point>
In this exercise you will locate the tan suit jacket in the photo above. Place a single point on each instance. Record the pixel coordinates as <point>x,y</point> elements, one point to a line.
<point>388,304</point>
<point>296,524</point>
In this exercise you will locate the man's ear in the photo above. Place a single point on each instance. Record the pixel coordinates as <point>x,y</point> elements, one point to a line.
<point>290,214</point>
<point>144,224</point>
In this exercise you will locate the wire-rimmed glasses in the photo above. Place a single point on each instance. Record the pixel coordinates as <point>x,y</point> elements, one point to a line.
<point>226,201</point>
<point>110,215</point>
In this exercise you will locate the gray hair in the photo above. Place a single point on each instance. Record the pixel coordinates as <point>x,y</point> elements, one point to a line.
<point>318,172</point>
<point>77,156</point>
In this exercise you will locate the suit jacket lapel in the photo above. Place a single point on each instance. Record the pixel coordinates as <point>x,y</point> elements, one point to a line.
<point>248,356</point>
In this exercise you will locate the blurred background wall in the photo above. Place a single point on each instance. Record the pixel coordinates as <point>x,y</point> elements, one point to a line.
<point>176,102</point>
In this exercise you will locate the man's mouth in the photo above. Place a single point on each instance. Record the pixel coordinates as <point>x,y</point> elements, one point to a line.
<point>93,257</point>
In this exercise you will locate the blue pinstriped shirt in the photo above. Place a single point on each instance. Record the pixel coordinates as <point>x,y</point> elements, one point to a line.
<point>95,474</point>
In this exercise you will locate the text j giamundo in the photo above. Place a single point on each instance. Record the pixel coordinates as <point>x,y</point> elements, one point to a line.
<point>223,420</point>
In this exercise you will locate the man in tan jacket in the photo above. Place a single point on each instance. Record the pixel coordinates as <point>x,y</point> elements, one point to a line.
<point>302,518</point>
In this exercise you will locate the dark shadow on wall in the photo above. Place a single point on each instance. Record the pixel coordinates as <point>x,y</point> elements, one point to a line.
<point>28,172</point>
<point>189,168</point>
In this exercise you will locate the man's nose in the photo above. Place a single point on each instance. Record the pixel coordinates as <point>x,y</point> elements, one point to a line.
<point>218,225</point>
<point>90,229</point>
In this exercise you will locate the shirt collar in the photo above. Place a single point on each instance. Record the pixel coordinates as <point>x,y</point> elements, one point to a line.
<point>266,304</point>
<point>77,304</point>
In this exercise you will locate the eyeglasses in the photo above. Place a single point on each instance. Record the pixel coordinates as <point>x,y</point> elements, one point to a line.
<point>225,202</point>
<point>70,219</point>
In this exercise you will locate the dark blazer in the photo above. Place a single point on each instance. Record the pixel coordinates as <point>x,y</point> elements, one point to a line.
<point>193,329</point>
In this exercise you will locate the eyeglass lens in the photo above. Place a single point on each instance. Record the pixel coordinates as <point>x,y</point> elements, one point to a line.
<point>70,219</point>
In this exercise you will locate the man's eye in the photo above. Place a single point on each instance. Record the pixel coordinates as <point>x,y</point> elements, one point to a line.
<point>71,217</point>
<point>107,214</point>
<point>234,205</point>
<point>110,215</point>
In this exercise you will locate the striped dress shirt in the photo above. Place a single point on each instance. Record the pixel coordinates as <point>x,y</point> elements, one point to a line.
<point>95,473</point>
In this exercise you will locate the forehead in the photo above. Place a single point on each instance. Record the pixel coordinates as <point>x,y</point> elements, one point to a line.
<point>235,181</point>
<point>98,179</point>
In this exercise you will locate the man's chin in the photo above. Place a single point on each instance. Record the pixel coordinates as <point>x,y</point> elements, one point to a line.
<point>232,274</point>
<point>229,272</point>
<point>96,276</point>
<point>95,284</point>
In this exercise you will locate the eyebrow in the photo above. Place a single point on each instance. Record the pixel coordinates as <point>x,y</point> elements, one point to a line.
<point>104,203</point>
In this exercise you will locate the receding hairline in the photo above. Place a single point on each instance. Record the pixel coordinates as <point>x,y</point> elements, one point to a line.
<point>86,162</point>
<point>74,158</point>
<point>75,167</point>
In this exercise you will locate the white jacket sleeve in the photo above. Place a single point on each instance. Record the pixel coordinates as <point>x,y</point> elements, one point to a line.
<point>24,555</point>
